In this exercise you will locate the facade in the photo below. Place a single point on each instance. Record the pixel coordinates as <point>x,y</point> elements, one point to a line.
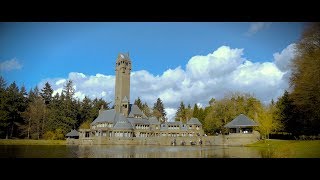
<point>128,121</point>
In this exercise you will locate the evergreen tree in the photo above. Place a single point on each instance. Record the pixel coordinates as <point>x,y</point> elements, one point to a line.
<point>180,114</point>
<point>138,102</point>
<point>12,107</point>
<point>286,113</point>
<point>158,110</point>
<point>4,114</point>
<point>85,113</point>
<point>188,113</point>
<point>146,110</point>
<point>97,103</point>
<point>46,93</point>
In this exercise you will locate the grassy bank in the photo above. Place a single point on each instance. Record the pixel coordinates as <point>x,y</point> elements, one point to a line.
<point>289,148</point>
<point>31,142</point>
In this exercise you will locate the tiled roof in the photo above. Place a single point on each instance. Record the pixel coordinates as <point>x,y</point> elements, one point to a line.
<point>241,121</point>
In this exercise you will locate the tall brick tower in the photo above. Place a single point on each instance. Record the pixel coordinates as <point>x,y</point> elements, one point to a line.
<point>122,87</point>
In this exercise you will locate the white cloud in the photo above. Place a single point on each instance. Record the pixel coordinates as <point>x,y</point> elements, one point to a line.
<point>284,58</point>
<point>257,26</point>
<point>61,81</point>
<point>10,65</point>
<point>171,112</point>
<point>213,75</point>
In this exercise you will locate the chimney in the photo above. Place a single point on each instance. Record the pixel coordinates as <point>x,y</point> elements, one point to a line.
<point>101,109</point>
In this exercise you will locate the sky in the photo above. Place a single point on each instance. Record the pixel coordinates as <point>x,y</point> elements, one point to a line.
<point>176,61</point>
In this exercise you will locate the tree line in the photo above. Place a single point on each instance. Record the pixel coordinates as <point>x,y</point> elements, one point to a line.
<point>39,114</point>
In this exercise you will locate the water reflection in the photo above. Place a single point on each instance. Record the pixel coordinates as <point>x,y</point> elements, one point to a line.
<point>129,151</point>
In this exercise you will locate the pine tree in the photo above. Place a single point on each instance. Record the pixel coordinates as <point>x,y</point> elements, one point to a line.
<point>195,111</point>
<point>46,93</point>
<point>158,110</point>
<point>4,114</point>
<point>180,114</point>
<point>146,110</point>
<point>138,103</point>
<point>12,107</point>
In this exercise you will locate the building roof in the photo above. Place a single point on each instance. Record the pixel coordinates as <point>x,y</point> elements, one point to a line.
<point>175,123</point>
<point>72,133</point>
<point>125,99</point>
<point>123,123</point>
<point>135,121</point>
<point>106,116</point>
<point>241,121</point>
<point>124,56</point>
<point>135,110</point>
<point>153,120</point>
<point>194,121</point>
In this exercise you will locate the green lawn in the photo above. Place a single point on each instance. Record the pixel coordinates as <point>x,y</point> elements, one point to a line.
<point>31,142</point>
<point>289,148</point>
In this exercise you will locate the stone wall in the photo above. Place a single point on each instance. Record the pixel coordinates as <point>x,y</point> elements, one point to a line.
<point>236,139</point>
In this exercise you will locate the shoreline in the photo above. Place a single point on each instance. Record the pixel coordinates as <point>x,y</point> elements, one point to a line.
<point>31,142</point>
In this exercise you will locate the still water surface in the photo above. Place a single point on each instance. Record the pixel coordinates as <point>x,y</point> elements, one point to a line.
<point>128,151</point>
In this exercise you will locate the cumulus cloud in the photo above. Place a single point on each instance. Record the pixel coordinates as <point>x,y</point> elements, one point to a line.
<point>284,58</point>
<point>9,65</point>
<point>206,76</point>
<point>257,26</point>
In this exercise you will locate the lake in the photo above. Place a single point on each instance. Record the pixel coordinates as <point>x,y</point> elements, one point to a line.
<point>128,151</point>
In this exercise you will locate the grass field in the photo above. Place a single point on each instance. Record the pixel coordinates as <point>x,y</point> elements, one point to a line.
<point>289,148</point>
<point>31,142</point>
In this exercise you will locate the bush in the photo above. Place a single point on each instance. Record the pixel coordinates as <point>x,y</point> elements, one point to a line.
<point>59,134</point>
<point>49,135</point>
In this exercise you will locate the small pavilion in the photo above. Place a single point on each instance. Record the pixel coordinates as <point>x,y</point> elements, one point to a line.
<point>241,124</point>
<point>73,134</point>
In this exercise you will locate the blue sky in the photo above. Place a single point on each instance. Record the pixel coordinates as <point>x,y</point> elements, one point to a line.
<point>31,53</point>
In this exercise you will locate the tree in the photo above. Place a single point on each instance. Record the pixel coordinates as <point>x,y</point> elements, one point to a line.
<point>34,118</point>
<point>4,114</point>
<point>146,110</point>
<point>212,101</point>
<point>138,103</point>
<point>305,79</point>
<point>68,90</point>
<point>195,111</point>
<point>46,93</point>
<point>188,113</point>
<point>33,94</point>
<point>158,109</point>
<point>13,107</point>
<point>286,113</point>
<point>180,114</point>
<point>97,103</point>
<point>268,124</point>
<point>85,111</point>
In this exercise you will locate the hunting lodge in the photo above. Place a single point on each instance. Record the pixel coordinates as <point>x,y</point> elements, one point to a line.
<point>128,121</point>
